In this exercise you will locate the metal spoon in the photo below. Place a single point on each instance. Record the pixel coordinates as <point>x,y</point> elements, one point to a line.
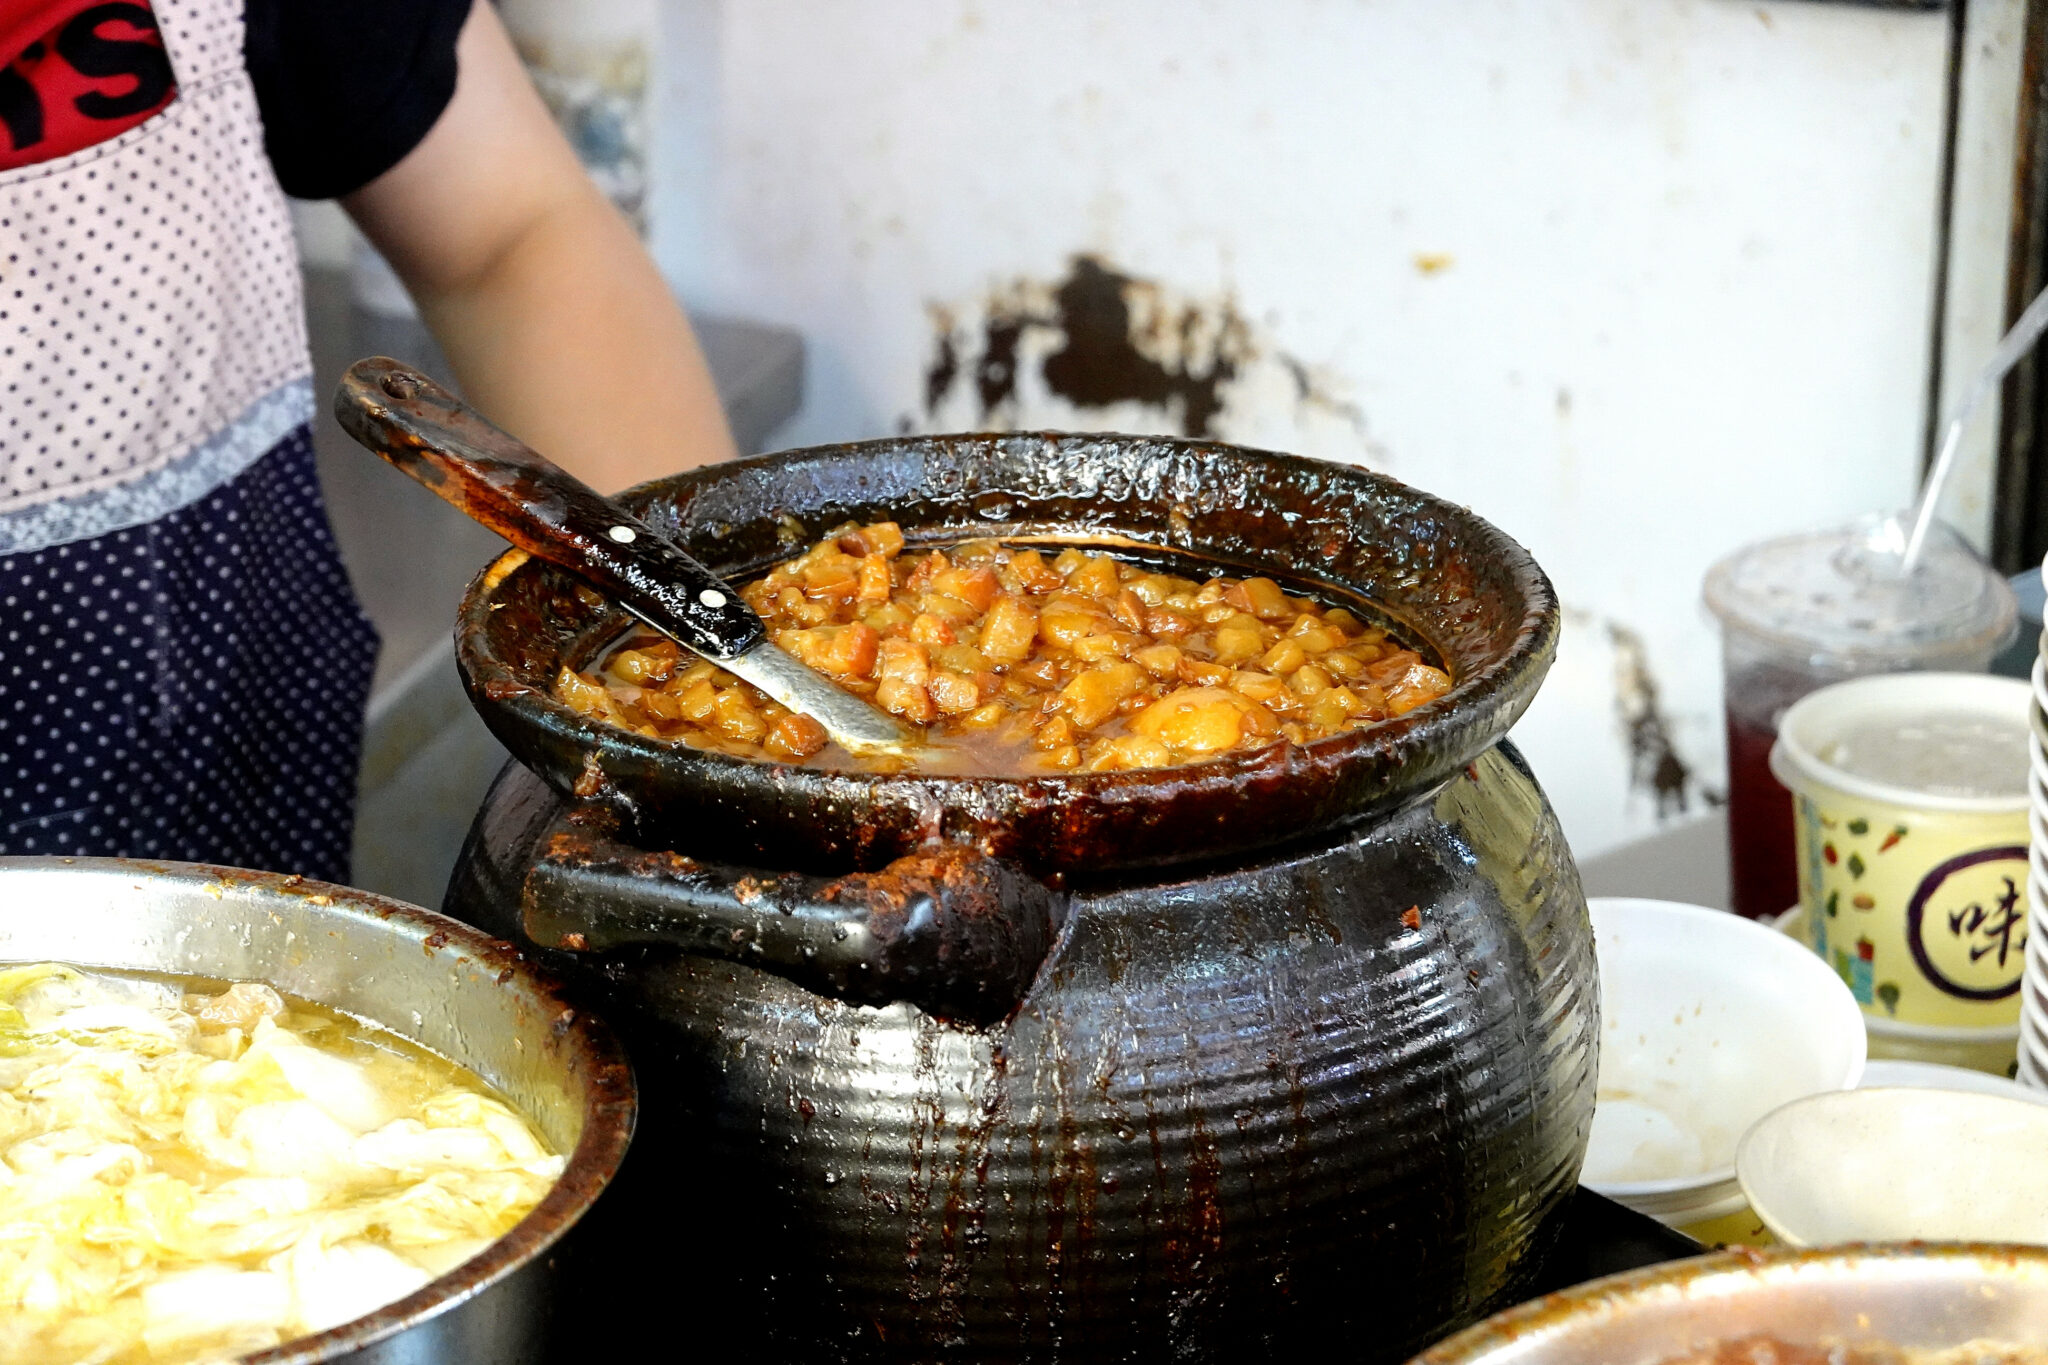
<point>430,434</point>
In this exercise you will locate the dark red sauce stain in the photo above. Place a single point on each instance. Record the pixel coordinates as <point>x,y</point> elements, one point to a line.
<point>929,1112</point>
<point>964,1229</point>
<point>944,369</point>
<point>1101,365</point>
<point>1205,1187</point>
<point>1100,362</point>
<point>995,376</point>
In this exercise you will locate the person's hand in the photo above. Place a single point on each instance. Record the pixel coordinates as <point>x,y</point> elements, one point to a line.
<point>558,325</point>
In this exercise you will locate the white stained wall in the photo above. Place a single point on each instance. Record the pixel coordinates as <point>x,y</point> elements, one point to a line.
<point>1638,281</point>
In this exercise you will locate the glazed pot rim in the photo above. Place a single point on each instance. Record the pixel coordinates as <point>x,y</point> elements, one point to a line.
<point>1391,739</point>
<point>610,1105</point>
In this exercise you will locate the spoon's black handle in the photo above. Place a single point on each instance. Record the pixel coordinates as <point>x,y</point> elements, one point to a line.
<point>492,477</point>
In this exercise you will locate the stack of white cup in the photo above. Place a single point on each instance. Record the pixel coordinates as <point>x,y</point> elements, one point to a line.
<point>2033,1049</point>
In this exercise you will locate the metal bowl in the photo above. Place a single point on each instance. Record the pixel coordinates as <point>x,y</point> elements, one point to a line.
<point>1915,1295</point>
<point>472,999</point>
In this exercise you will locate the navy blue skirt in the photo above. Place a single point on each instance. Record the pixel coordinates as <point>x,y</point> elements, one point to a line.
<point>192,688</point>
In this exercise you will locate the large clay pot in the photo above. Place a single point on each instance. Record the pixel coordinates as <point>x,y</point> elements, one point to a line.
<point>1290,1049</point>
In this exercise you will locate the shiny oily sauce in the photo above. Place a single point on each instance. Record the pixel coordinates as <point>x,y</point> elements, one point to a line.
<point>191,1171</point>
<point>1017,662</point>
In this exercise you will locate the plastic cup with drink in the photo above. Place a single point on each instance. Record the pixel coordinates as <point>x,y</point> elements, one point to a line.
<point>1804,611</point>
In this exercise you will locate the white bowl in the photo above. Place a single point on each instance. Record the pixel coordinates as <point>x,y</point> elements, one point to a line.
<point>1708,1022</point>
<point>1896,1165</point>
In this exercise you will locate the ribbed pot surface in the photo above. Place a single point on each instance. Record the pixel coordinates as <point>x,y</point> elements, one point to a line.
<point>1336,1094</point>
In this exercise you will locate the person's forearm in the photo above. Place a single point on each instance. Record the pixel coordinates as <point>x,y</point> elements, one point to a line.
<point>572,341</point>
<point>558,325</point>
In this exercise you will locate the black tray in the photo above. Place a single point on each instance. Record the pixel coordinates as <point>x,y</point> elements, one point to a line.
<point>1602,1237</point>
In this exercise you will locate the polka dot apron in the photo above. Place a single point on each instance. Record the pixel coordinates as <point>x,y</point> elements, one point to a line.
<point>183,666</point>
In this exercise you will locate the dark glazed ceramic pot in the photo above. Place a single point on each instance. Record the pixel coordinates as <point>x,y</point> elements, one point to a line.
<point>1287,1051</point>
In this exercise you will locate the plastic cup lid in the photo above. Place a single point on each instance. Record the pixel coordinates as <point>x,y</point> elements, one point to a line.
<point>1838,594</point>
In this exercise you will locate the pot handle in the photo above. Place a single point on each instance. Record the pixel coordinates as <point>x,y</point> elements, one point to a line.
<point>957,934</point>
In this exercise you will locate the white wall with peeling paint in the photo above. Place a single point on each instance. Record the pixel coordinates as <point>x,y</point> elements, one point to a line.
<point>1640,282</point>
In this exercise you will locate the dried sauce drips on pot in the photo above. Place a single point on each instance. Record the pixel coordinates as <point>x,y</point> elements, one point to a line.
<point>1020,663</point>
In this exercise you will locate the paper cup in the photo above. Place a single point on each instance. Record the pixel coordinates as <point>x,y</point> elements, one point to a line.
<point>1986,1051</point>
<point>1918,900</point>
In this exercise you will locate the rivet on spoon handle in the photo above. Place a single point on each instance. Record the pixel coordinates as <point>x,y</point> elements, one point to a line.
<point>492,477</point>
